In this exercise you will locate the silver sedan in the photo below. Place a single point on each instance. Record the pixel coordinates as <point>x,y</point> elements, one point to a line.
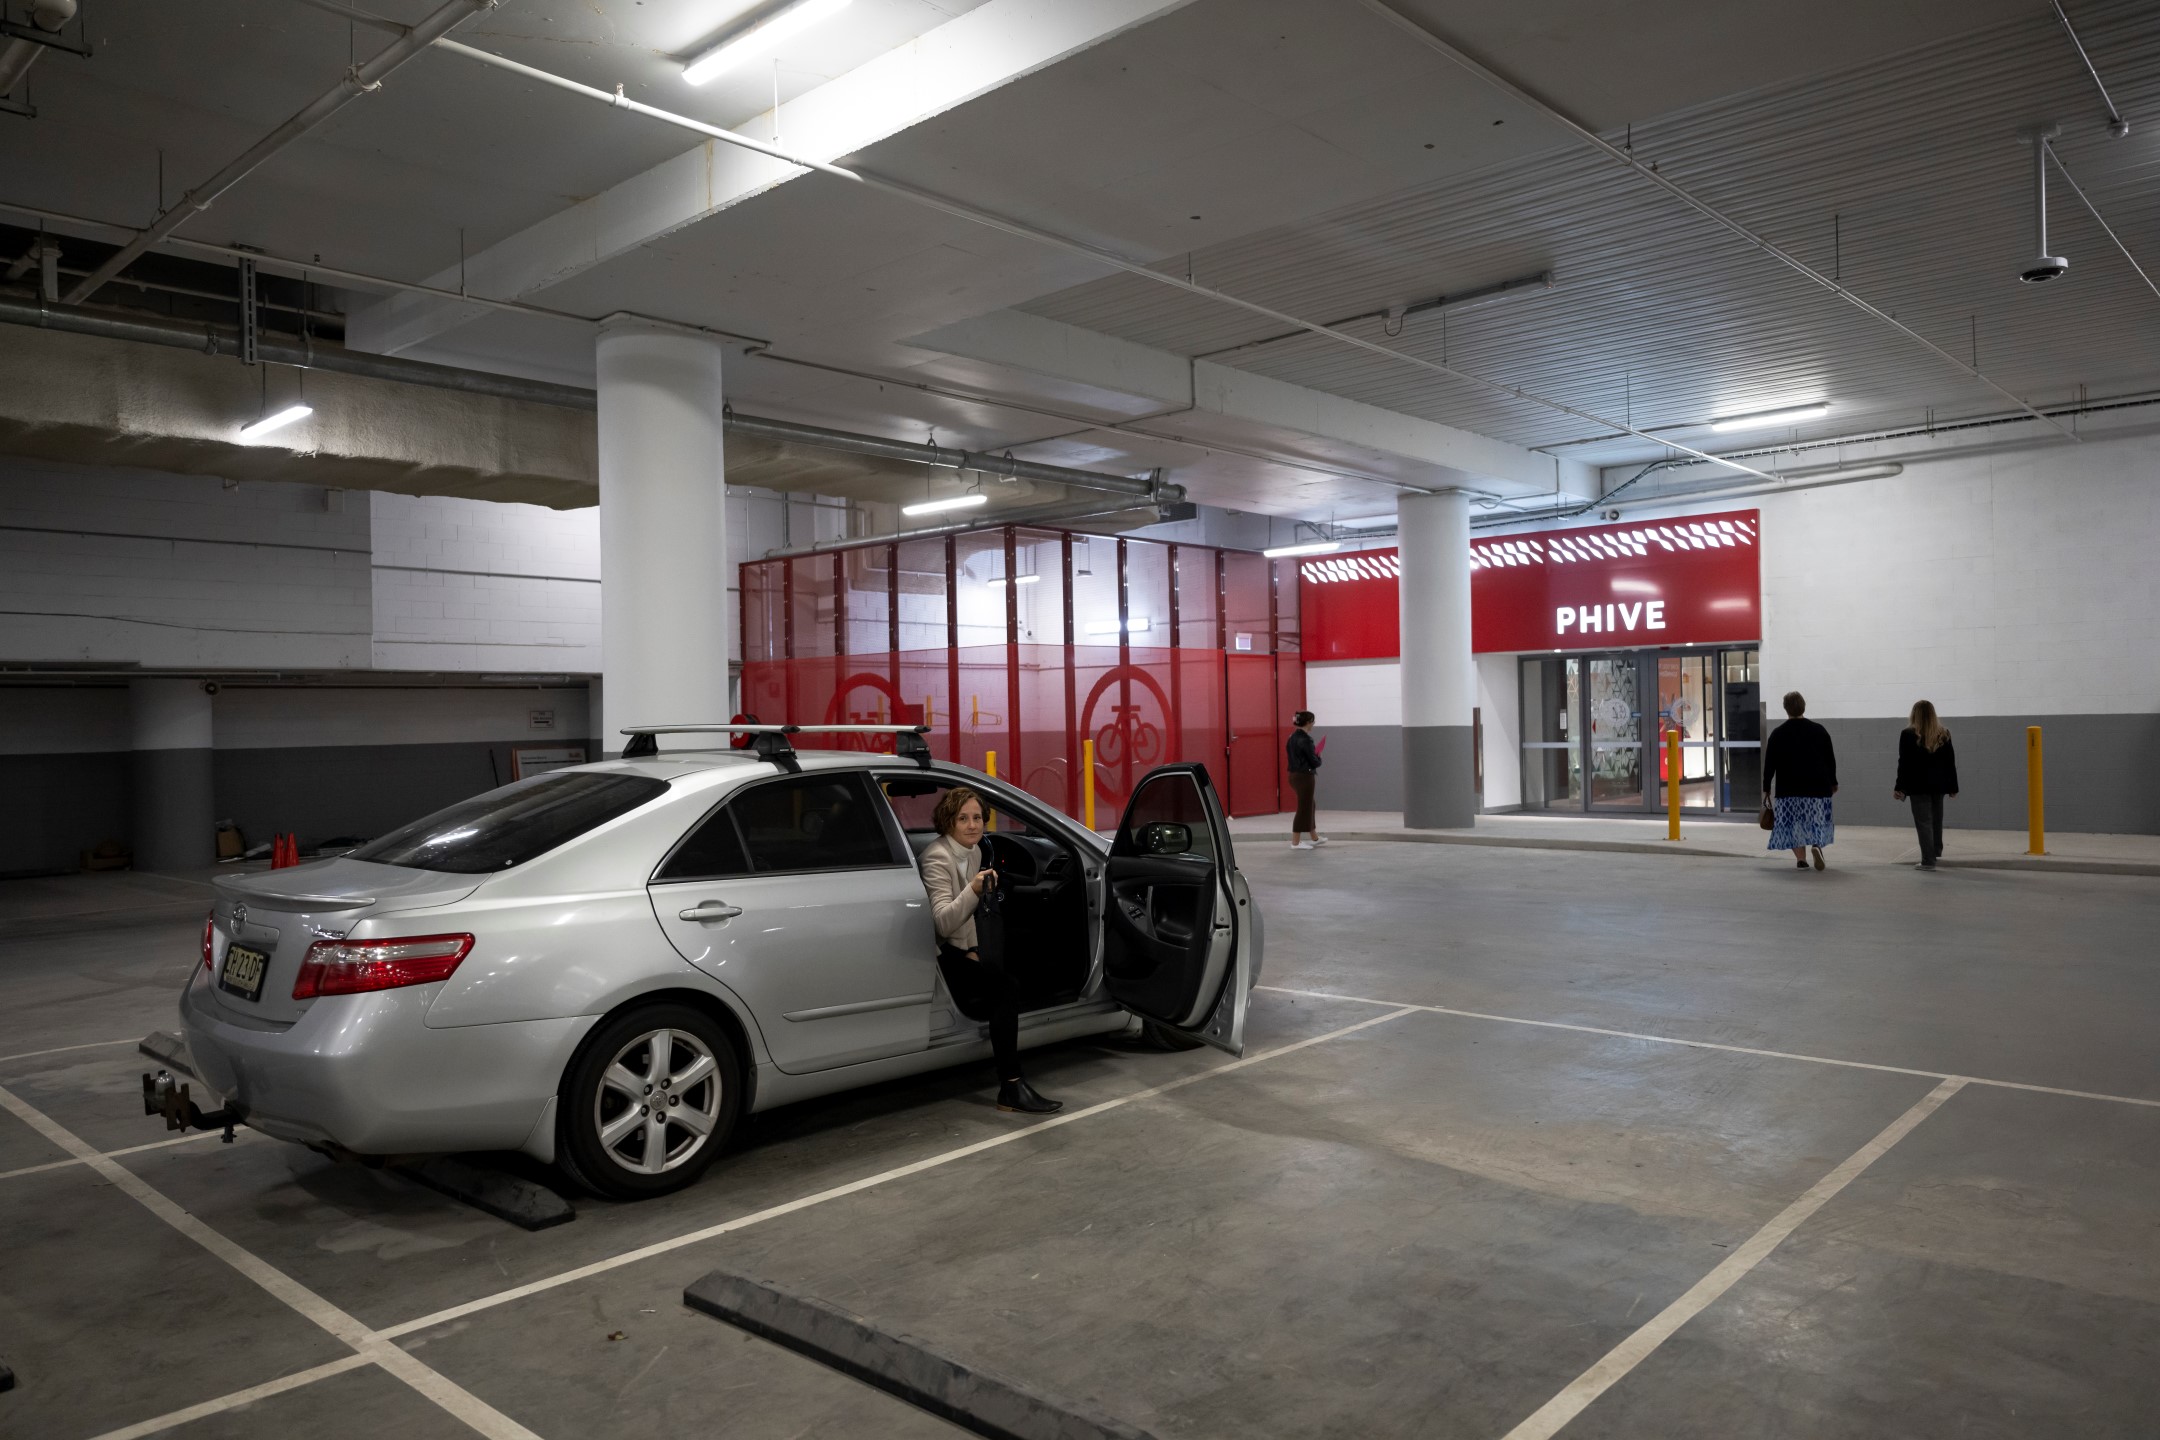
<point>606,967</point>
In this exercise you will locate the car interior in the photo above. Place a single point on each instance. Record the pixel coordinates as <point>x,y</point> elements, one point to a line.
<point>1047,936</point>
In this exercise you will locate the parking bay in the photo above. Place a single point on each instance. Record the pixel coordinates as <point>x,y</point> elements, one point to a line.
<point>1428,1223</point>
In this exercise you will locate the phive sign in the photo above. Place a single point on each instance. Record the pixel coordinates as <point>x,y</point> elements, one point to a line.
<point>1690,581</point>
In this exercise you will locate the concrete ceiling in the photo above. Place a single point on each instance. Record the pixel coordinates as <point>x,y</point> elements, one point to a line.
<point>1298,152</point>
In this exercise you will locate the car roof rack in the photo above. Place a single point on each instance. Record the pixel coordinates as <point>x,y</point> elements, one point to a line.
<point>771,741</point>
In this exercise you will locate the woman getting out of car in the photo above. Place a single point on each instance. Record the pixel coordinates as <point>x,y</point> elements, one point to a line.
<point>952,872</point>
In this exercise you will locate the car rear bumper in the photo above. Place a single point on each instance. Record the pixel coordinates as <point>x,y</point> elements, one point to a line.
<point>366,1073</point>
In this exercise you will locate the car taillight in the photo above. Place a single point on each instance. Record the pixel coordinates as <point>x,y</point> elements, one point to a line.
<point>209,934</point>
<point>351,967</point>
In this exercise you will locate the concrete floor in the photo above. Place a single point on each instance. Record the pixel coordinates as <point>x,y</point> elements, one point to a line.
<point>1465,1160</point>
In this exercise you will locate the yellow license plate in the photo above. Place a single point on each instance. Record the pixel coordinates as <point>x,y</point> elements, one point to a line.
<point>243,972</point>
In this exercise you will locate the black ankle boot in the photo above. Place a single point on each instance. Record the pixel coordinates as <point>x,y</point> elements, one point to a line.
<point>1018,1096</point>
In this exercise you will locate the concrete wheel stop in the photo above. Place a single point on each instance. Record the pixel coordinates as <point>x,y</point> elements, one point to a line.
<point>508,1197</point>
<point>973,1399</point>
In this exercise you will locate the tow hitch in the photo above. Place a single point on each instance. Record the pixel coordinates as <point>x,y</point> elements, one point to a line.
<point>162,1095</point>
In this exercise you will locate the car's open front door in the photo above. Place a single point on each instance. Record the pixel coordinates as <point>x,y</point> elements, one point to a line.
<point>1175,945</point>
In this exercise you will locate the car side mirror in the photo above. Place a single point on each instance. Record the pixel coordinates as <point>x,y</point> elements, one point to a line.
<point>1165,837</point>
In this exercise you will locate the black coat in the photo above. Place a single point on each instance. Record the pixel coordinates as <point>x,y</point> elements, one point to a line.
<point>1921,771</point>
<point>1304,755</point>
<point>1799,758</point>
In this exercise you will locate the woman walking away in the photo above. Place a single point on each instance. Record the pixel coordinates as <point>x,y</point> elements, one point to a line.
<point>1926,774</point>
<point>953,874</point>
<point>1800,764</point>
<point>1304,771</point>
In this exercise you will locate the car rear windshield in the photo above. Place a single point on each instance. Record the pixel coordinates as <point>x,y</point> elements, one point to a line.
<point>512,825</point>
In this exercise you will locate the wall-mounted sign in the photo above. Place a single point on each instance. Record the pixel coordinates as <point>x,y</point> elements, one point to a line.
<point>1692,581</point>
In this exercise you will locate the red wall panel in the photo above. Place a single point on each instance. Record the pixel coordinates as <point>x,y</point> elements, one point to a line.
<point>1692,581</point>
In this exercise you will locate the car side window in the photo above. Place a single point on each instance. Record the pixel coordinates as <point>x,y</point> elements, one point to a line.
<point>1172,800</point>
<point>812,822</point>
<point>714,850</point>
<point>915,799</point>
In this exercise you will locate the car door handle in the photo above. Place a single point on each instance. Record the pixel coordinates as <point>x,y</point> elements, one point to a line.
<point>712,910</point>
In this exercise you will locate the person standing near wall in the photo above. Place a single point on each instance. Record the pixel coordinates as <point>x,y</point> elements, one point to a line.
<point>1304,776</point>
<point>1927,775</point>
<point>1800,768</point>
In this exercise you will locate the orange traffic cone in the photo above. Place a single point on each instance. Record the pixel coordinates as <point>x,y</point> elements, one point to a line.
<point>281,852</point>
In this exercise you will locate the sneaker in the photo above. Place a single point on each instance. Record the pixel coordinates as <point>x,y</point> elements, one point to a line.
<point>1319,840</point>
<point>1799,864</point>
<point>1927,865</point>
<point>1304,845</point>
<point>1816,851</point>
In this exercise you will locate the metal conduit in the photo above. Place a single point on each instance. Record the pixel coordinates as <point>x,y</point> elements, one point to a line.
<point>209,339</point>
<point>357,81</point>
<point>1031,515</point>
<point>1418,32</point>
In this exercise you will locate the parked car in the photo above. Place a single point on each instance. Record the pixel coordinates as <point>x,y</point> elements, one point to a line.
<point>607,966</point>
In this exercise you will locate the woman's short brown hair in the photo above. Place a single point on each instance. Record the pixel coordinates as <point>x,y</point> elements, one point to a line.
<point>949,806</point>
<point>1795,704</point>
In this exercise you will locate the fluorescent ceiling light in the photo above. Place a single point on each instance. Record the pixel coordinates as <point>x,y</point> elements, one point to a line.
<point>957,502</point>
<point>1365,522</point>
<point>759,39</point>
<point>1023,580</point>
<point>1769,417</point>
<point>275,422</point>
<point>1317,547</point>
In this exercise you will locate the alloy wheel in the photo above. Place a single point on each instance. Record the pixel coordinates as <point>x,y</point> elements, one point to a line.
<point>658,1101</point>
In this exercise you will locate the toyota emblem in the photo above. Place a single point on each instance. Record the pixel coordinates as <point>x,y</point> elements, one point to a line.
<point>239,914</point>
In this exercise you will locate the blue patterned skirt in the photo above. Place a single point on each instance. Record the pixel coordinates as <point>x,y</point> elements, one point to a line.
<point>1801,820</point>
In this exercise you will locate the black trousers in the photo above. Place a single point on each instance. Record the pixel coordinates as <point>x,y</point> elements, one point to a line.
<point>1302,785</point>
<point>1927,818</point>
<point>986,993</point>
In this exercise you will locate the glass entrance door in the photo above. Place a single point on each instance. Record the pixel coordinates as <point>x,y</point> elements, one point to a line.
<point>1613,698</point>
<point>1686,687</point>
<point>1552,734</point>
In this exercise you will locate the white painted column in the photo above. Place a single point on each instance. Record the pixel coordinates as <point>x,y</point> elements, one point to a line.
<point>171,775</point>
<point>1439,679</point>
<point>663,530</point>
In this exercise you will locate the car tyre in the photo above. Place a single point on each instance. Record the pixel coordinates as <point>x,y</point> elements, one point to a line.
<point>611,1141</point>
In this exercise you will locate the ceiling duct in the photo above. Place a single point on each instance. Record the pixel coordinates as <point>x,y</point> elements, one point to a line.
<point>26,42</point>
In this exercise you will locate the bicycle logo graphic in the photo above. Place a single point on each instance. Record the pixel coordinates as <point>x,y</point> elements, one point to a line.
<point>1128,739</point>
<point>890,710</point>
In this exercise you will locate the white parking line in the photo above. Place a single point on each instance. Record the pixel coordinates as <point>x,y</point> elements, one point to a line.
<point>1548,1418</point>
<point>759,1217</point>
<point>375,1347</point>
<point>110,1154</point>
<point>1728,1049</point>
<point>367,1343</point>
<point>63,1049</point>
<point>172,1419</point>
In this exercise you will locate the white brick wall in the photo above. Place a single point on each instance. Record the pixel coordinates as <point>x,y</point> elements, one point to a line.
<point>474,585</point>
<point>251,717</point>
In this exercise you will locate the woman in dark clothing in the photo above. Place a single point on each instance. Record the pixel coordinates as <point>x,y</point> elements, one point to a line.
<point>1927,775</point>
<point>1304,771</point>
<point>1800,763</point>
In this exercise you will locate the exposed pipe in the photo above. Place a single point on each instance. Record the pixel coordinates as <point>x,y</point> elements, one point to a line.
<point>1687,197</point>
<point>315,270</point>
<point>208,339</point>
<point>2044,267</point>
<point>788,432</point>
<point>358,80</point>
<point>21,52</point>
<point>2117,126</point>
<point>992,220</point>
<point>1026,515</point>
<point>1463,300</point>
<point>2079,191</point>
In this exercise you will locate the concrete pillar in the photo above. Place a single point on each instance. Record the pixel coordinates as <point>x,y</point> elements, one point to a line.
<point>1439,679</point>
<point>663,530</point>
<point>175,815</point>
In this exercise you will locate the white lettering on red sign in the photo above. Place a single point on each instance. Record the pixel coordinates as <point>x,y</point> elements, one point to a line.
<point>1610,619</point>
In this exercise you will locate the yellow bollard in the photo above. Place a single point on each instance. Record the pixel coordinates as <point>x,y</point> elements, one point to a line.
<point>990,769</point>
<point>1672,785</point>
<point>1087,782</point>
<point>2035,819</point>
